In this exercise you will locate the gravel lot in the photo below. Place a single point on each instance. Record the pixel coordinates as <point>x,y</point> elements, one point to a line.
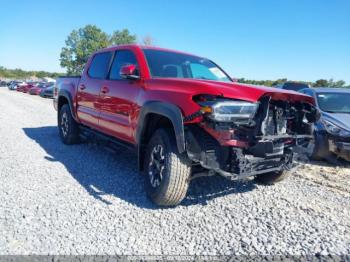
<point>82,199</point>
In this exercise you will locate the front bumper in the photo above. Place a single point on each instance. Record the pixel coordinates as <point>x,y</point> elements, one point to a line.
<point>238,163</point>
<point>340,148</point>
<point>241,165</point>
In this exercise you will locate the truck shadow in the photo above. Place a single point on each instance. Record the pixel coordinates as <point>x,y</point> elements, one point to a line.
<point>102,173</point>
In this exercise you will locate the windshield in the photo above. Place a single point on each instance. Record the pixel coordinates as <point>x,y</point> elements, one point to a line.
<point>167,64</point>
<point>334,102</point>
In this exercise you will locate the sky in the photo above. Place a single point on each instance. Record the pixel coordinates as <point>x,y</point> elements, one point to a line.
<point>255,39</point>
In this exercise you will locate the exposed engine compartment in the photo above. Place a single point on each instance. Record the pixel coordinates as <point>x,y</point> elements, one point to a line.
<point>265,143</point>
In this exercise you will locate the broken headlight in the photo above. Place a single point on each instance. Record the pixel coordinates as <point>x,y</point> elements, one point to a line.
<point>335,130</point>
<point>228,110</point>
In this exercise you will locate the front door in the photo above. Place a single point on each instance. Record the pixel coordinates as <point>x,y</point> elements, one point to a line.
<point>118,98</point>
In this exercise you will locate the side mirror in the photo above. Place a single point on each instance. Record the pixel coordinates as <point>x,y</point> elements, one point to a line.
<point>129,72</point>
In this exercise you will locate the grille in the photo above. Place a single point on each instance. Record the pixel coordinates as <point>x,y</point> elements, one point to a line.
<point>275,122</point>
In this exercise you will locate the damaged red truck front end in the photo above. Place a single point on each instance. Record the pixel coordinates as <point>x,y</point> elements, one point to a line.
<point>249,130</point>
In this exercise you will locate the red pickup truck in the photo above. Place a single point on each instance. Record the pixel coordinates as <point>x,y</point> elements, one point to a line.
<point>184,116</point>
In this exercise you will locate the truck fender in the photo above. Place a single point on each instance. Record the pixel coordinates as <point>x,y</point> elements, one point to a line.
<point>170,111</point>
<point>64,93</point>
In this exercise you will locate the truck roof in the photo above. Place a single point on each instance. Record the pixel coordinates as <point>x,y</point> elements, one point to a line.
<point>143,47</point>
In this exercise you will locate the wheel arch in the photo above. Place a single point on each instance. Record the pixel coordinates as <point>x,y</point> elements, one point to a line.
<point>64,97</point>
<point>157,114</point>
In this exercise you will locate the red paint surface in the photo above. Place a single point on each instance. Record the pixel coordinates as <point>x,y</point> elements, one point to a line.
<point>113,106</point>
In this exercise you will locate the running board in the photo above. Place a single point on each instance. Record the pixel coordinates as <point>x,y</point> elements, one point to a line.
<point>89,134</point>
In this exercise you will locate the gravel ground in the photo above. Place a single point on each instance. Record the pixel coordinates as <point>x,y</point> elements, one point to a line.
<point>82,199</point>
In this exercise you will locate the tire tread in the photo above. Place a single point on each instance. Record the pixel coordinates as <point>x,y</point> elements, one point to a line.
<point>174,191</point>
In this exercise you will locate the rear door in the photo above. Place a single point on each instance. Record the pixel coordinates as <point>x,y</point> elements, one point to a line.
<point>118,99</point>
<point>88,94</point>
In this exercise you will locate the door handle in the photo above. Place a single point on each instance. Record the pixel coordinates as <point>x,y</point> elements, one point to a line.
<point>82,87</point>
<point>104,90</point>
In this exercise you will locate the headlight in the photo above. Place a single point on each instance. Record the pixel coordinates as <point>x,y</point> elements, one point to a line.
<point>335,130</point>
<point>227,111</point>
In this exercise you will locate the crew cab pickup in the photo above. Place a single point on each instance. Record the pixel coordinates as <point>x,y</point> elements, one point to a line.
<point>185,117</point>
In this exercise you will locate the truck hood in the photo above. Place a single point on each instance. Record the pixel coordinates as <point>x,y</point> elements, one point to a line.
<point>340,119</point>
<point>232,90</point>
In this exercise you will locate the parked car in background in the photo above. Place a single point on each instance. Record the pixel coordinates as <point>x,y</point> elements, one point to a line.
<point>332,131</point>
<point>47,91</point>
<point>25,88</point>
<point>3,83</point>
<point>37,89</point>
<point>15,84</point>
<point>19,88</point>
<point>295,86</point>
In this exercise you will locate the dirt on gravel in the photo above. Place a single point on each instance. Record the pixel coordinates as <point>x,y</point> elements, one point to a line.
<point>335,178</point>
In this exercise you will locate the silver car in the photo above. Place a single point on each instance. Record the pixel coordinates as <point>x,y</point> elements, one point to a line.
<point>332,131</point>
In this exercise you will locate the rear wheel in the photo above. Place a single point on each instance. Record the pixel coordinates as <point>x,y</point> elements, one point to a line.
<point>67,126</point>
<point>167,171</point>
<point>272,177</point>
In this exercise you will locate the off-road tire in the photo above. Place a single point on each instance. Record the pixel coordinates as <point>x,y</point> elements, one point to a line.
<point>272,177</point>
<point>69,133</point>
<point>173,186</point>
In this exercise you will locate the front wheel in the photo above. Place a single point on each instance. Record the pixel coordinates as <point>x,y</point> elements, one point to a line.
<point>167,171</point>
<point>68,128</point>
<point>321,148</point>
<point>272,177</point>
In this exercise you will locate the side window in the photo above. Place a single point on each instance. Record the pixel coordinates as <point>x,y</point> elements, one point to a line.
<point>100,65</point>
<point>308,92</point>
<point>171,71</point>
<point>122,58</point>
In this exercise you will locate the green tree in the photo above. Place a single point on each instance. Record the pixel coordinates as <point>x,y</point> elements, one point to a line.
<point>279,81</point>
<point>122,37</point>
<point>329,83</point>
<point>321,83</point>
<point>340,83</point>
<point>80,44</point>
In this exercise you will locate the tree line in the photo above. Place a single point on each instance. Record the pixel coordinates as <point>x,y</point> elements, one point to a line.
<point>23,74</point>
<point>318,83</point>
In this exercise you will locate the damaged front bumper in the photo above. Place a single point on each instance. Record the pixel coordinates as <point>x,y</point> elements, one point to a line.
<point>340,148</point>
<point>271,154</point>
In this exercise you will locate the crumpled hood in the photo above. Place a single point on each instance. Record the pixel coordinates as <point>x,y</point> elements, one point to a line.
<point>240,91</point>
<point>340,119</point>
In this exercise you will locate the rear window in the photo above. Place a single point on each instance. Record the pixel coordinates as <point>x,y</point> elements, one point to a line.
<point>100,65</point>
<point>295,86</point>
